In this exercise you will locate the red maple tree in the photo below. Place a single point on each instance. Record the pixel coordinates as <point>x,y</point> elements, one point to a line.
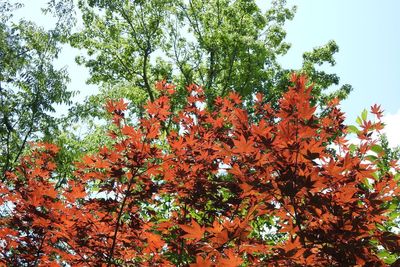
<point>221,187</point>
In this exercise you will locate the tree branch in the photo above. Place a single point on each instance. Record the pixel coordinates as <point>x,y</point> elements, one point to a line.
<point>145,77</point>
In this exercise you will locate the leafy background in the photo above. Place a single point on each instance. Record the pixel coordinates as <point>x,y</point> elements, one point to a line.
<point>365,30</point>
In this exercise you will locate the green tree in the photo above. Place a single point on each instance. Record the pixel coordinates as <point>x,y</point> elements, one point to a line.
<point>30,85</point>
<point>223,45</point>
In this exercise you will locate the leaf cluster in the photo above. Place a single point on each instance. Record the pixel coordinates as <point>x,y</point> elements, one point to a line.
<point>219,189</point>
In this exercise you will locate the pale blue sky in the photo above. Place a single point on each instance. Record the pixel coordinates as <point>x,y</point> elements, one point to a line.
<point>368,35</point>
<point>367,32</point>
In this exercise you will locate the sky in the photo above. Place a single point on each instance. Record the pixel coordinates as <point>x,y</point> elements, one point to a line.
<point>367,32</point>
<point>368,35</point>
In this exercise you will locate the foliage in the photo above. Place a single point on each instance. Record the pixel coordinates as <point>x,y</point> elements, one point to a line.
<point>223,45</point>
<point>30,85</point>
<point>279,187</point>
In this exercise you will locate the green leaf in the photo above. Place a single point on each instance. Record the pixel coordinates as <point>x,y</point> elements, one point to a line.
<point>377,149</point>
<point>368,184</point>
<point>364,115</point>
<point>352,147</point>
<point>394,215</point>
<point>359,121</point>
<point>387,257</point>
<point>371,157</point>
<point>353,129</point>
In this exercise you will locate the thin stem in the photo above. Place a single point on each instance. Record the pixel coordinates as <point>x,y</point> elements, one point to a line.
<point>114,240</point>
<point>36,263</point>
<point>182,240</point>
<point>145,77</point>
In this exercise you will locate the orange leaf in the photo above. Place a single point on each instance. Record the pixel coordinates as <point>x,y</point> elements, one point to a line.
<point>200,262</point>
<point>195,231</point>
<point>233,259</point>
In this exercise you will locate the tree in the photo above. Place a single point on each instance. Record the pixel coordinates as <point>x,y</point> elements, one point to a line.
<point>29,85</point>
<point>222,45</point>
<point>284,189</point>
<point>132,44</point>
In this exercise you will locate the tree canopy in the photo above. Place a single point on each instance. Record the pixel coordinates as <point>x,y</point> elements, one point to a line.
<point>199,148</point>
<point>222,45</point>
<point>219,191</point>
<point>30,85</point>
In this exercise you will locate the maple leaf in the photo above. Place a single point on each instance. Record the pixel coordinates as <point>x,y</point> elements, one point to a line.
<point>112,105</point>
<point>280,159</point>
<point>334,102</point>
<point>128,130</point>
<point>120,105</point>
<point>159,108</point>
<point>51,147</point>
<point>201,262</point>
<point>235,97</point>
<point>154,241</point>
<point>243,146</point>
<point>162,86</point>
<point>220,238</point>
<point>153,131</point>
<point>375,109</point>
<point>292,244</point>
<point>235,170</point>
<point>195,231</point>
<point>259,97</point>
<point>232,260</point>
<point>262,129</point>
<point>101,164</point>
<point>293,77</point>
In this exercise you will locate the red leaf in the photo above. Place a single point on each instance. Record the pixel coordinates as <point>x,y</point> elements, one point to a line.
<point>201,262</point>
<point>195,231</point>
<point>243,146</point>
<point>232,260</point>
